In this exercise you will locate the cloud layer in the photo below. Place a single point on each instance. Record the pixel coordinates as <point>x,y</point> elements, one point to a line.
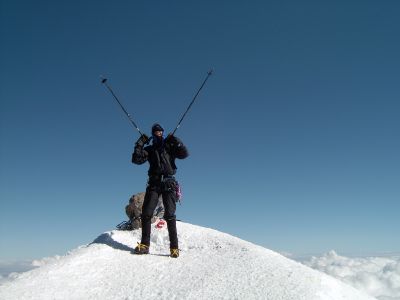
<point>377,276</point>
<point>10,269</point>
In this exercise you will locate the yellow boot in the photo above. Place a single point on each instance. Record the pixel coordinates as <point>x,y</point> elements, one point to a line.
<point>141,249</point>
<point>174,252</point>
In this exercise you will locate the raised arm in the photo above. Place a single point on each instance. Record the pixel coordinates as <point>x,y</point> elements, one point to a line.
<point>177,148</point>
<point>140,155</point>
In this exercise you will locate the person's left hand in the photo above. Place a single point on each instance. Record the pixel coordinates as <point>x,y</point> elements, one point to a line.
<point>171,139</point>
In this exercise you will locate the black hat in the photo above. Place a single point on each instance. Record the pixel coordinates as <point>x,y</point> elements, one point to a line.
<point>156,127</point>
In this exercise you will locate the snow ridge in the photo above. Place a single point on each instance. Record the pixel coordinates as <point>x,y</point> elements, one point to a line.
<point>212,265</point>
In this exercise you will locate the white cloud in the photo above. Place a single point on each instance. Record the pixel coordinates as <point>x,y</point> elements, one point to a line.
<point>45,260</point>
<point>377,276</point>
<point>10,269</point>
<point>7,267</point>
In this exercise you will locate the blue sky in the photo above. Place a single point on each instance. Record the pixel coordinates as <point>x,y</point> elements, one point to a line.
<point>297,132</point>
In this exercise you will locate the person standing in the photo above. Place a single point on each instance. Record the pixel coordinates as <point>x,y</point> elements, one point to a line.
<point>161,155</point>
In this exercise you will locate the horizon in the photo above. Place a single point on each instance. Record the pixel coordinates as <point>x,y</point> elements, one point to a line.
<point>296,132</point>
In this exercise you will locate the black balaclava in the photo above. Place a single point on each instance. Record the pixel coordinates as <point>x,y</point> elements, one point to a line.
<point>157,141</point>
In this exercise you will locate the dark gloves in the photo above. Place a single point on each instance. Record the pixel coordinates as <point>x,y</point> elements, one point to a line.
<point>176,146</point>
<point>172,141</point>
<point>143,140</point>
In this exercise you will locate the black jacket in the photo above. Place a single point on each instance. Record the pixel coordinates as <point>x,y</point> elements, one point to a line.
<point>161,159</point>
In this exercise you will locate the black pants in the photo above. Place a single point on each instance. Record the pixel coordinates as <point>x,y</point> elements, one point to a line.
<point>153,192</point>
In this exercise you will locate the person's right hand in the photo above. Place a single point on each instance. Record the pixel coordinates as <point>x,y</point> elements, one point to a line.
<point>143,140</point>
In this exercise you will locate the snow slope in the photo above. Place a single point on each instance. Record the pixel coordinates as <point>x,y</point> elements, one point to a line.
<point>212,265</point>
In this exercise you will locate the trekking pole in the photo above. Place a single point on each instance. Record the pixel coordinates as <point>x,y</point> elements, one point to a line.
<point>191,103</point>
<point>104,81</point>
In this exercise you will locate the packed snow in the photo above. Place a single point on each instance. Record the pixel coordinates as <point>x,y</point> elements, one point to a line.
<point>377,276</point>
<point>212,265</point>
